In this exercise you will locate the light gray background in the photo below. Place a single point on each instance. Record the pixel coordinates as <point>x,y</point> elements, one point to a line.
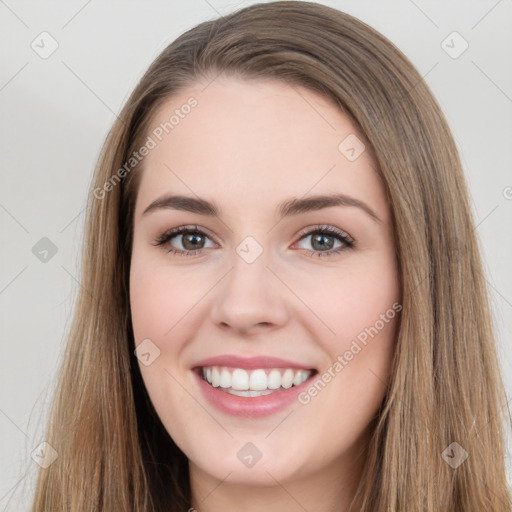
<point>57,111</point>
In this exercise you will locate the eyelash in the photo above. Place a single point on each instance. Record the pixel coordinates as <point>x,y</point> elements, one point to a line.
<point>347,240</point>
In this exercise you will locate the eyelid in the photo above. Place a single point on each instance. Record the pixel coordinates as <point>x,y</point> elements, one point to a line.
<point>181,230</point>
<point>326,228</point>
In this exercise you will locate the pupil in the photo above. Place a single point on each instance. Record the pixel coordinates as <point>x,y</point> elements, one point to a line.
<point>322,244</point>
<point>187,238</point>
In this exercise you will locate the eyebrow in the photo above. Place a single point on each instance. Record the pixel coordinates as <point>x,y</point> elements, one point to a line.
<point>289,207</point>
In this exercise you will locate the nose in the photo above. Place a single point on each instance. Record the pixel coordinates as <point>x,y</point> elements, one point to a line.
<point>250,298</point>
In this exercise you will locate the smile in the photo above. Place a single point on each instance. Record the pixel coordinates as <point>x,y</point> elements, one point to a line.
<point>253,383</point>
<point>251,387</point>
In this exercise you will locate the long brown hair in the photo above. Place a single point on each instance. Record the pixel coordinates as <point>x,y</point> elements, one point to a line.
<point>445,386</point>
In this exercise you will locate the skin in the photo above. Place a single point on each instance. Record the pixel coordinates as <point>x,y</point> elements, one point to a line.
<point>248,146</point>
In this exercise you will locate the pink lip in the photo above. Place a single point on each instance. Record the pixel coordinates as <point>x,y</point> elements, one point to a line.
<point>250,363</point>
<point>249,407</point>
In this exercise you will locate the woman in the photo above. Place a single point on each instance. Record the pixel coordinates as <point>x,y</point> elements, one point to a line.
<point>282,301</point>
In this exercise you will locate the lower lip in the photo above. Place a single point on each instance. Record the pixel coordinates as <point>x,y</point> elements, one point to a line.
<point>250,407</point>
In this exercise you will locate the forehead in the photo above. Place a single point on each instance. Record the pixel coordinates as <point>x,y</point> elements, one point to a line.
<point>255,139</point>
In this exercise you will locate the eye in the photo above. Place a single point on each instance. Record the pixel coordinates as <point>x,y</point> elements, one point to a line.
<point>324,237</point>
<point>193,239</point>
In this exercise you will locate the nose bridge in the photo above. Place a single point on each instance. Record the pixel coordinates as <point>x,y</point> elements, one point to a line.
<point>250,294</point>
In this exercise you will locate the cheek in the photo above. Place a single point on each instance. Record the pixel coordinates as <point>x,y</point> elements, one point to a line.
<point>369,308</point>
<point>161,297</point>
<point>356,303</point>
<point>363,309</point>
<point>146,308</point>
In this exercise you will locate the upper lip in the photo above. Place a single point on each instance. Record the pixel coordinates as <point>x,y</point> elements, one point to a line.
<point>250,362</point>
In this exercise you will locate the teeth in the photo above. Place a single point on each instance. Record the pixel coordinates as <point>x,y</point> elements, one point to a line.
<point>249,393</point>
<point>239,379</point>
<point>215,382</point>
<point>274,379</point>
<point>258,380</point>
<point>225,379</point>
<point>240,382</point>
<point>287,379</point>
<point>297,379</point>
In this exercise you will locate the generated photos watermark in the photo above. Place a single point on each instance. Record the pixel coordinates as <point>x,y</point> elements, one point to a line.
<point>344,359</point>
<point>157,135</point>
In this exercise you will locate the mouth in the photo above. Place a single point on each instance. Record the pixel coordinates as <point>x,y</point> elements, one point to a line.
<point>252,383</point>
<point>251,387</point>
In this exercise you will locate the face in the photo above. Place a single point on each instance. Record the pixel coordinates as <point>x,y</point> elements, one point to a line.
<point>294,303</point>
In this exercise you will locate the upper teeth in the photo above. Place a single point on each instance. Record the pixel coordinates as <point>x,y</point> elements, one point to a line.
<point>256,380</point>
